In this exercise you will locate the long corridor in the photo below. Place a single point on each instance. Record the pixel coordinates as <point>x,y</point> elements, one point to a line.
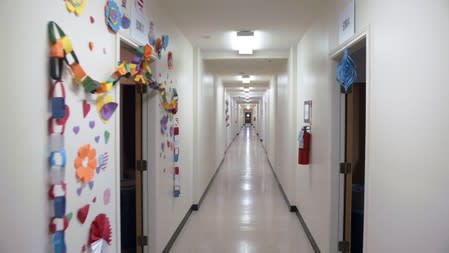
<point>244,211</point>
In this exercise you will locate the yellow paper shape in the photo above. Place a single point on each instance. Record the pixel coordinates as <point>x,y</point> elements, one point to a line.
<point>101,101</point>
<point>76,6</point>
<point>67,44</point>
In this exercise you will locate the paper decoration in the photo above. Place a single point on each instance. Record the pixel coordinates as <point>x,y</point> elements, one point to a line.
<point>76,6</point>
<point>91,184</point>
<point>103,161</point>
<point>107,134</point>
<point>100,229</point>
<point>58,224</point>
<point>113,16</point>
<point>152,35</point>
<point>170,61</point>
<point>59,242</point>
<point>76,130</point>
<point>158,47</point>
<point>69,216</point>
<point>86,108</point>
<point>165,41</point>
<point>107,110</point>
<point>99,246</point>
<point>107,196</point>
<point>62,52</point>
<point>91,46</point>
<point>97,139</point>
<point>79,191</point>
<point>57,158</point>
<point>346,72</point>
<point>82,213</point>
<point>164,122</point>
<point>94,200</point>
<point>92,19</point>
<point>126,22</point>
<point>105,107</point>
<point>85,163</point>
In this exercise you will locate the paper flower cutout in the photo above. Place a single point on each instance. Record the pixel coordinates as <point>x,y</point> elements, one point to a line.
<point>76,6</point>
<point>346,71</point>
<point>85,163</point>
<point>100,229</point>
<point>113,15</point>
<point>82,213</point>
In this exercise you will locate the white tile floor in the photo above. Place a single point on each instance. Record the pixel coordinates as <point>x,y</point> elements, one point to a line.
<point>244,211</point>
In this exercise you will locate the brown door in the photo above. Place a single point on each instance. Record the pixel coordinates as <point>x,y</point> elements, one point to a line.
<point>131,184</point>
<point>355,156</point>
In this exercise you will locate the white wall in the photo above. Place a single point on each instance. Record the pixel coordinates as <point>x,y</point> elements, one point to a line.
<point>405,208</point>
<point>286,129</point>
<point>314,190</point>
<point>166,212</point>
<point>406,202</point>
<point>27,135</point>
<point>26,210</point>
<point>220,125</point>
<point>205,162</point>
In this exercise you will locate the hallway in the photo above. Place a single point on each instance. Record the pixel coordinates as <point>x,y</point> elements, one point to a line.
<point>244,210</point>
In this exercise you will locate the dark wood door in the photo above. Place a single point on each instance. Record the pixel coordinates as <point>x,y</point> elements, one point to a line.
<point>355,156</point>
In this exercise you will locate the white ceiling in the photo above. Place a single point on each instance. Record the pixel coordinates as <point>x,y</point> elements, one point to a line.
<point>208,24</point>
<point>261,71</point>
<point>211,24</point>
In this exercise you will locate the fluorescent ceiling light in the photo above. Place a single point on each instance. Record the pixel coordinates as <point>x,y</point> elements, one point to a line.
<point>245,42</point>
<point>246,79</point>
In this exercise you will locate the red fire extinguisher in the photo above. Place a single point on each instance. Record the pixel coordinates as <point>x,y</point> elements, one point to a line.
<point>304,146</point>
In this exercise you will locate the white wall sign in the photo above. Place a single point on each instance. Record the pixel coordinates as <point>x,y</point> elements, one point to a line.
<point>139,23</point>
<point>346,23</point>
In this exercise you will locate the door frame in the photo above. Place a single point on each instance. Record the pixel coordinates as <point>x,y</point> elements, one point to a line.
<point>353,44</point>
<point>119,39</point>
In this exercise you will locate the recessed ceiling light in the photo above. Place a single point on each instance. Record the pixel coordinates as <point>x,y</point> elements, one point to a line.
<point>246,79</point>
<point>245,42</point>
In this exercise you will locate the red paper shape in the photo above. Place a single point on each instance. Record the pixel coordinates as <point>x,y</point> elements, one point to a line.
<point>82,213</point>
<point>51,192</point>
<point>52,226</point>
<point>86,108</point>
<point>100,229</point>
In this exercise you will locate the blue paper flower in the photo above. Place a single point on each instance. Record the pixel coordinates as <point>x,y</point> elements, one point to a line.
<point>346,71</point>
<point>113,15</point>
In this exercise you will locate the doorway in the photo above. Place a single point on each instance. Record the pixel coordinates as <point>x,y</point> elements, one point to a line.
<point>352,169</point>
<point>248,118</point>
<point>131,163</point>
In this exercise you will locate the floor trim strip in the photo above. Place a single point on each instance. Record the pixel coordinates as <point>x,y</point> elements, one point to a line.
<point>294,209</point>
<point>194,207</point>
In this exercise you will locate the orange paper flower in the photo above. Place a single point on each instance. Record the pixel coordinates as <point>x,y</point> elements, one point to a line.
<point>85,163</point>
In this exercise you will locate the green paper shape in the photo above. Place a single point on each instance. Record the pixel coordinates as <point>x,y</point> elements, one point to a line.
<point>69,216</point>
<point>107,134</point>
<point>89,84</point>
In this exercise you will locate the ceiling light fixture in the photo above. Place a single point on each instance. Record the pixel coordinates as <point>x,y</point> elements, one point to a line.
<point>245,42</point>
<point>246,79</point>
